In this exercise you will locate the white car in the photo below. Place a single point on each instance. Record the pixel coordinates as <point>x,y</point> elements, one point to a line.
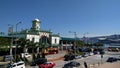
<point>78,56</point>
<point>90,54</point>
<point>19,64</point>
<point>26,55</point>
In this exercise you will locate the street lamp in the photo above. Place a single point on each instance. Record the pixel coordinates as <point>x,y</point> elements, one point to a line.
<point>16,38</point>
<point>84,36</point>
<point>75,36</point>
<point>11,31</point>
<point>17,25</point>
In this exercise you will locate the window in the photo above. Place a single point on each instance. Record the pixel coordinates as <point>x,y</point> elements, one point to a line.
<point>55,40</point>
<point>33,39</point>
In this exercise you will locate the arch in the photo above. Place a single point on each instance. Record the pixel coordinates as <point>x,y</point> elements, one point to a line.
<point>45,39</point>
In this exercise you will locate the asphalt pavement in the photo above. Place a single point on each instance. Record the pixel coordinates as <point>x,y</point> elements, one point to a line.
<point>92,61</point>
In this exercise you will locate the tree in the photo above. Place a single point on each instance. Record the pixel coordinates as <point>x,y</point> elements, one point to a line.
<point>44,46</point>
<point>98,45</point>
<point>4,43</point>
<point>39,46</point>
<point>24,43</point>
<point>32,45</point>
<point>80,43</point>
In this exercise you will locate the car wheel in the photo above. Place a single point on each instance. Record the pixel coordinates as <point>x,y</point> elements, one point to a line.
<point>39,66</point>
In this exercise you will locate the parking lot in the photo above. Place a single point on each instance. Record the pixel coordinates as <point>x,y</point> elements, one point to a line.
<point>92,61</point>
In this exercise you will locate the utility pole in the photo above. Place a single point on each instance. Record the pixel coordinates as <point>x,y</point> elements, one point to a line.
<point>16,39</point>
<point>11,31</point>
<point>75,36</point>
<point>84,36</point>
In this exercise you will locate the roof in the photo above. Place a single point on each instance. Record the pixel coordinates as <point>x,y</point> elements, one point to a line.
<point>71,39</point>
<point>55,35</point>
<point>47,31</point>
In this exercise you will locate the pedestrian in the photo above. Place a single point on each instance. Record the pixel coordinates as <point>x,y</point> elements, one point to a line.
<point>85,64</point>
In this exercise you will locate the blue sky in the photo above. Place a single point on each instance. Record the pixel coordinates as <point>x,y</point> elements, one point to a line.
<point>97,17</point>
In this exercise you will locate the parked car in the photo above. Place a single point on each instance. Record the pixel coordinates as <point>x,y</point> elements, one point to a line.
<point>85,54</point>
<point>102,52</point>
<point>111,59</point>
<point>78,56</point>
<point>71,64</point>
<point>118,58</point>
<point>95,52</point>
<point>8,58</point>
<point>19,64</point>
<point>91,53</point>
<point>26,55</point>
<point>69,57</point>
<point>38,61</point>
<point>47,65</point>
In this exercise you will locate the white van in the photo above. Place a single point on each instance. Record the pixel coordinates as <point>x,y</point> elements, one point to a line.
<point>19,64</point>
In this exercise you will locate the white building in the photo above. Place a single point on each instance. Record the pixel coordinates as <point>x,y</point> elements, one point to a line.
<point>37,35</point>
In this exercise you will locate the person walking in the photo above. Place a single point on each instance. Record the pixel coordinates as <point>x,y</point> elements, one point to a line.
<point>85,65</point>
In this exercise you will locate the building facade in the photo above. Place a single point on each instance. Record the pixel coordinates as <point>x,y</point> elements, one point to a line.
<point>37,35</point>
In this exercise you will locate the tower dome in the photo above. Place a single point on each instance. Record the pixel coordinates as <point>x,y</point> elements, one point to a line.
<point>37,20</point>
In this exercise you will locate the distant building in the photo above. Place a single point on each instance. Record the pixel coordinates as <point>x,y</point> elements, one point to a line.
<point>67,43</point>
<point>111,44</point>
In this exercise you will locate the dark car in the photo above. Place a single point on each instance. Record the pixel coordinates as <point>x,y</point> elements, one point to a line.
<point>102,52</point>
<point>111,59</point>
<point>118,58</point>
<point>69,57</point>
<point>8,58</point>
<point>38,61</point>
<point>95,52</point>
<point>71,64</point>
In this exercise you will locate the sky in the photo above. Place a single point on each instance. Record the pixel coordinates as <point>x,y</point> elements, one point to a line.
<point>85,17</point>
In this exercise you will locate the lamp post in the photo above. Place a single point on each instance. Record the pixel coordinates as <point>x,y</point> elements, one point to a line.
<point>75,36</point>
<point>11,31</point>
<point>16,39</point>
<point>84,36</point>
<point>85,39</point>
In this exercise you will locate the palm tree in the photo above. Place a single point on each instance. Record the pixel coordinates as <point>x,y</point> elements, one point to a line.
<point>39,46</point>
<point>24,44</point>
<point>45,46</point>
<point>44,49</point>
<point>32,46</point>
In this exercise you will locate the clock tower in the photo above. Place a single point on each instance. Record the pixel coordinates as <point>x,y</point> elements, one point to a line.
<point>36,24</point>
